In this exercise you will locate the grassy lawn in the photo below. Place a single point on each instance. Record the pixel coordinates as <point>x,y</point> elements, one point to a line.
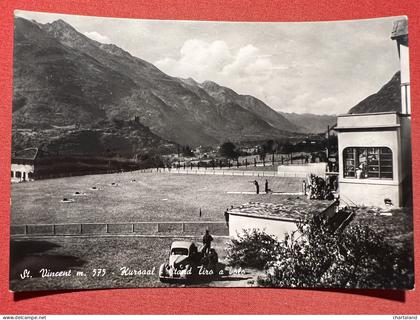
<point>151,197</point>
<point>87,254</point>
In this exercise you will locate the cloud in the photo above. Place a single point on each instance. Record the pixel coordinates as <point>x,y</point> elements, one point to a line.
<point>325,67</point>
<point>97,36</point>
<point>197,59</point>
<point>245,70</point>
<point>250,65</point>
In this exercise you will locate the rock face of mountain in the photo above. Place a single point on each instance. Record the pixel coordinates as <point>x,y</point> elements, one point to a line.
<point>249,103</point>
<point>63,78</point>
<point>388,98</point>
<point>311,123</point>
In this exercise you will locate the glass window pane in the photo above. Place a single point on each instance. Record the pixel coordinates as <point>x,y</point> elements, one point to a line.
<point>349,162</point>
<point>386,163</point>
<point>368,162</point>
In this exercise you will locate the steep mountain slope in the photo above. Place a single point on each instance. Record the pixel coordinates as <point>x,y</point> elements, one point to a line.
<point>388,98</point>
<point>64,78</point>
<point>57,85</point>
<point>250,103</point>
<point>311,123</point>
<point>126,139</point>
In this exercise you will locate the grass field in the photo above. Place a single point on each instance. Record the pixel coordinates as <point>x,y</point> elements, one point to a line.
<point>111,254</point>
<point>151,197</point>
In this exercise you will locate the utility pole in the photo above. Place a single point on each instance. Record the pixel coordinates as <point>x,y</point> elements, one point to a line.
<point>328,142</point>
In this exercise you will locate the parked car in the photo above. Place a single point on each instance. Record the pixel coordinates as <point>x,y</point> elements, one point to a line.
<point>187,262</point>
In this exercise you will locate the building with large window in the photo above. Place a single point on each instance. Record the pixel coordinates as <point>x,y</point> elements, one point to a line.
<point>375,148</point>
<point>375,155</point>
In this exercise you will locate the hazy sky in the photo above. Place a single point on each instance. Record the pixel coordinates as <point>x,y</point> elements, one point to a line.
<point>318,67</point>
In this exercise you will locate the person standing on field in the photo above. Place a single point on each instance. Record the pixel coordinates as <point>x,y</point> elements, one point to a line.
<point>257,186</point>
<point>227,217</point>
<point>207,239</point>
<point>266,186</point>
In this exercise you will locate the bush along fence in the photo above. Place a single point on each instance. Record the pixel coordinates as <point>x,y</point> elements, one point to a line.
<point>193,228</point>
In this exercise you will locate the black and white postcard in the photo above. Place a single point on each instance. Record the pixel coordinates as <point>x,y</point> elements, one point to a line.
<point>152,153</point>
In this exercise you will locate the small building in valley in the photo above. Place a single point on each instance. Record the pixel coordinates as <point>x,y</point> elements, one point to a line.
<point>23,165</point>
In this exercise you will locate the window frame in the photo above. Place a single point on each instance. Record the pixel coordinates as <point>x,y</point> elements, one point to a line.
<point>362,162</point>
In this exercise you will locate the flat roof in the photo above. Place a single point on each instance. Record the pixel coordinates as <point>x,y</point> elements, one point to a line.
<point>369,114</point>
<point>387,126</point>
<point>291,208</point>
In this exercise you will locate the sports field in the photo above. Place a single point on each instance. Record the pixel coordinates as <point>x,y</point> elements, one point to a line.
<point>87,254</point>
<point>137,197</point>
<point>124,197</point>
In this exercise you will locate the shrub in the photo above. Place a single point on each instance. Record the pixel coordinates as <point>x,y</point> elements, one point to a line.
<point>319,189</point>
<point>358,257</point>
<point>253,249</point>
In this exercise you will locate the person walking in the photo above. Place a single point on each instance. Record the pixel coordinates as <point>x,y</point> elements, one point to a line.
<point>207,239</point>
<point>266,187</point>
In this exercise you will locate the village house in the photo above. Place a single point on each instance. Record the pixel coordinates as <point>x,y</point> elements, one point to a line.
<point>23,165</point>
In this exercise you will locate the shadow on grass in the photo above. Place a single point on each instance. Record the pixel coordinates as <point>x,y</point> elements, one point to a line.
<point>29,254</point>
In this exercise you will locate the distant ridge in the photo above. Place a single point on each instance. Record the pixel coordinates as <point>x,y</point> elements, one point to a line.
<point>63,78</point>
<point>388,98</point>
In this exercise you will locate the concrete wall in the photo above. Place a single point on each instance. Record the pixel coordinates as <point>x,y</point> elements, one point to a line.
<point>303,170</point>
<point>367,120</point>
<point>369,192</point>
<point>23,169</point>
<point>239,223</point>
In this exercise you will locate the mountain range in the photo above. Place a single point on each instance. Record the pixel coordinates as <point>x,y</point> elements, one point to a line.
<point>311,123</point>
<point>63,79</point>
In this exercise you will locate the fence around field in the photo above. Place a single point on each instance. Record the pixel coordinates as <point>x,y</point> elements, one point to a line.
<point>227,172</point>
<point>217,228</point>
